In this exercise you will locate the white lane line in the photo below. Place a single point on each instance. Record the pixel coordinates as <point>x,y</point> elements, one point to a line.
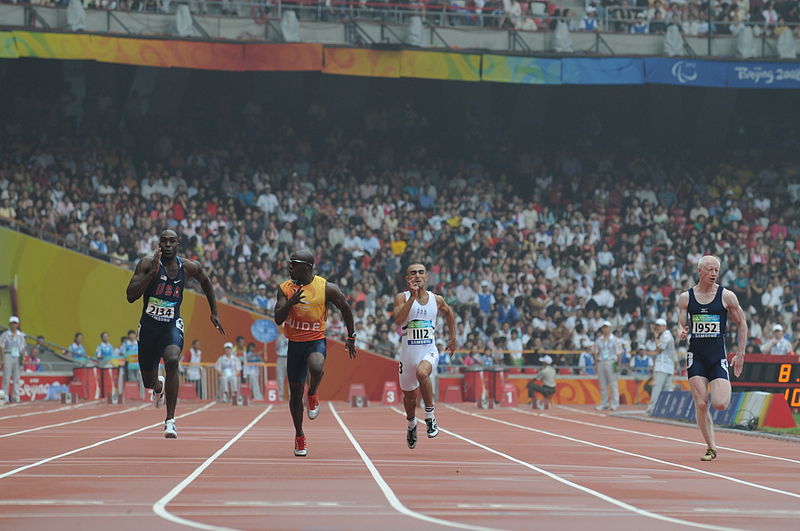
<point>160,507</point>
<point>581,411</point>
<point>51,502</point>
<point>84,419</point>
<point>665,437</point>
<point>74,406</point>
<point>98,443</point>
<point>393,500</point>
<point>587,490</point>
<point>617,450</point>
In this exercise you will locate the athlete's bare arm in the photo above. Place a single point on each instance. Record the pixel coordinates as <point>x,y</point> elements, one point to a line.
<point>402,307</point>
<point>335,296</point>
<point>195,270</point>
<point>683,311</point>
<point>735,312</point>
<point>146,270</point>
<point>450,317</point>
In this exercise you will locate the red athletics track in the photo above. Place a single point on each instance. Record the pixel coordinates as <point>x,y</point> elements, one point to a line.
<point>98,466</point>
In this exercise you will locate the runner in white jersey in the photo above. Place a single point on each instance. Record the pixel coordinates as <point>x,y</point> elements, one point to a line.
<point>415,312</point>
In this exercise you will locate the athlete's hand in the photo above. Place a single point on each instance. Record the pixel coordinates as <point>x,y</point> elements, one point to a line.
<point>738,363</point>
<point>156,263</point>
<point>296,297</point>
<point>684,332</point>
<point>451,346</point>
<point>415,286</point>
<point>350,345</point>
<point>217,324</point>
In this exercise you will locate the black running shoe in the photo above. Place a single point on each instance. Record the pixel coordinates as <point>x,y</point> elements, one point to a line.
<point>411,437</point>
<point>433,429</point>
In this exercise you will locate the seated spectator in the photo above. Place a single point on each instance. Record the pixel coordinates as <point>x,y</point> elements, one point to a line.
<point>31,362</point>
<point>76,350</point>
<point>547,387</point>
<point>586,359</point>
<point>262,300</point>
<point>105,350</point>
<point>118,357</point>
<point>778,344</point>
<point>641,364</point>
<point>589,20</point>
<point>641,25</point>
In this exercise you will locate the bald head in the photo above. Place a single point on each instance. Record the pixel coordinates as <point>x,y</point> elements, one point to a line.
<point>303,255</point>
<point>168,243</point>
<point>301,267</point>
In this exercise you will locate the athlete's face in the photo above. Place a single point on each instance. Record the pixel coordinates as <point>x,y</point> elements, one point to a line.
<point>299,270</point>
<point>709,272</point>
<point>168,242</point>
<point>416,276</point>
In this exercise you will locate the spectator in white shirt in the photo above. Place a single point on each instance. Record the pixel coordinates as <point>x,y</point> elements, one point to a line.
<point>267,201</point>
<point>603,297</point>
<point>664,366</point>
<point>515,345</point>
<point>13,348</point>
<point>777,344</point>
<point>607,351</point>
<point>465,295</point>
<point>229,369</point>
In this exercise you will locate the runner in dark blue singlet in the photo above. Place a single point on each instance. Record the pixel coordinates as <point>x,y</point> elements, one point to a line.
<point>161,280</point>
<point>707,322</point>
<point>703,313</point>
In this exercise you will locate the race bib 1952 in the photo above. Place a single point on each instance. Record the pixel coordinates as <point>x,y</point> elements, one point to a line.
<point>160,310</point>
<point>705,326</point>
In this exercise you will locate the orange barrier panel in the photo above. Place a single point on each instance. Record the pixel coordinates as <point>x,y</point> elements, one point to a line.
<point>170,53</point>
<point>587,391</point>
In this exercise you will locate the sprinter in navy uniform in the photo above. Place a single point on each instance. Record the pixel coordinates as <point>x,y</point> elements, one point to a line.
<point>703,313</point>
<point>161,281</point>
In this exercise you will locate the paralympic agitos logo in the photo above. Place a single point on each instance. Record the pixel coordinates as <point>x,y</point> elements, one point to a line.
<point>684,71</point>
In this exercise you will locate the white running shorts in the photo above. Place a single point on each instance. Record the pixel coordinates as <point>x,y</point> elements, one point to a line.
<point>409,359</point>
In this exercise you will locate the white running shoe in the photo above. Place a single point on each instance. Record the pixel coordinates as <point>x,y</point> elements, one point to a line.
<point>169,429</point>
<point>313,407</point>
<point>158,398</point>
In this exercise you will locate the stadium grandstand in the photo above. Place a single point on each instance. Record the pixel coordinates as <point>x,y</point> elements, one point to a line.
<point>558,168</point>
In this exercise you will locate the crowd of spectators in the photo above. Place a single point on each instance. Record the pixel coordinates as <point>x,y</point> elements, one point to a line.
<point>693,17</point>
<point>533,246</point>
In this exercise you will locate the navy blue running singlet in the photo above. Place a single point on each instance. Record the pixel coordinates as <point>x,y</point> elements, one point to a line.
<point>707,322</point>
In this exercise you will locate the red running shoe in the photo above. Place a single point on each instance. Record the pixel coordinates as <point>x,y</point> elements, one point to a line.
<point>313,407</point>
<point>300,449</point>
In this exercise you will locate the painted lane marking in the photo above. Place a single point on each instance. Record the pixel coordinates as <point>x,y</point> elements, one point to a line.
<point>68,422</point>
<point>587,490</point>
<point>617,450</point>
<point>99,443</point>
<point>160,507</point>
<point>391,497</point>
<point>665,437</point>
<point>74,406</point>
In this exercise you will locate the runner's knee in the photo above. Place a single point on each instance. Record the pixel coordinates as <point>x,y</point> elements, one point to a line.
<point>171,357</point>
<point>701,403</point>
<point>720,404</point>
